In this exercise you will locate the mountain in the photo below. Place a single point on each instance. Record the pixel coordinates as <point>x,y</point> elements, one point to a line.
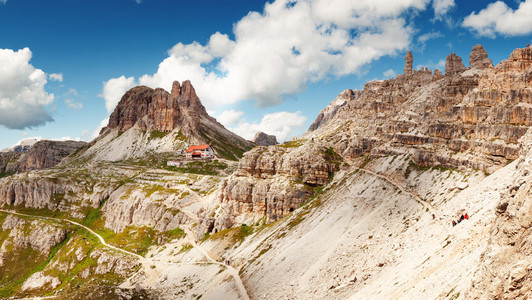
<point>154,121</point>
<point>469,118</point>
<point>36,155</point>
<point>361,207</point>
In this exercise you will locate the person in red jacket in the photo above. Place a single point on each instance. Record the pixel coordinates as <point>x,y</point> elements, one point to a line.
<point>466,216</point>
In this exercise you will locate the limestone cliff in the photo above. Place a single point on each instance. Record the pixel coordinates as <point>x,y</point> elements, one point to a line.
<point>153,120</point>
<point>505,271</point>
<point>470,118</point>
<point>274,181</point>
<point>43,154</point>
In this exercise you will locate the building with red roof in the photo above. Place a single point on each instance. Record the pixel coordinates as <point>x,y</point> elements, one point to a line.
<point>200,152</point>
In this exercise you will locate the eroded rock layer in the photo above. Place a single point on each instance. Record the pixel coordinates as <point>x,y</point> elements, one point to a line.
<point>471,118</point>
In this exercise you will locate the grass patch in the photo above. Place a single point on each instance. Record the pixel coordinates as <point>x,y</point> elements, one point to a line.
<point>212,168</point>
<point>185,248</point>
<point>292,144</point>
<point>154,134</point>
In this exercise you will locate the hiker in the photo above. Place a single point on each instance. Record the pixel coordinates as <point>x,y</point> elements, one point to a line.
<point>466,216</point>
<point>433,216</point>
<point>462,218</point>
<point>459,220</point>
<point>454,223</point>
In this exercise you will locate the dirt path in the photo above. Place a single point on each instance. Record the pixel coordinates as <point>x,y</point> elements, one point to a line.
<point>232,271</point>
<point>423,202</point>
<point>147,264</point>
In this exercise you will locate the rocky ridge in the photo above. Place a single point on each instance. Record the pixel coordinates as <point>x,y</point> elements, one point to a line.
<point>470,118</point>
<point>43,154</point>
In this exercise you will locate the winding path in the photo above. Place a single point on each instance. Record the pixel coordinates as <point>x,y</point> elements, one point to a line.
<point>232,271</point>
<point>147,263</point>
<point>423,202</point>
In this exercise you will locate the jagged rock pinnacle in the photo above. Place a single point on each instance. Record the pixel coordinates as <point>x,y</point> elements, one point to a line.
<point>409,59</point>
<point>454,65</point>
<point>478,59</point>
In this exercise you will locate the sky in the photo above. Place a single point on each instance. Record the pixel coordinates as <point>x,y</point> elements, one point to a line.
<point>256,65</point>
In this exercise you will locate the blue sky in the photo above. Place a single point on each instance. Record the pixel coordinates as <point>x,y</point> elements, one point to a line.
<point>257,65</point>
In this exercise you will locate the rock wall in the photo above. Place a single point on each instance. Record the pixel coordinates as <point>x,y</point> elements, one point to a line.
<point>471,118</point>
<point>44,154</point>
<point>505,271</point>
<point>273,181</point>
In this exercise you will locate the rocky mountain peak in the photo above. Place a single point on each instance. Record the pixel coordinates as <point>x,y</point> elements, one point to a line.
<point>156,109</point>
<point>478,59</point>
<point>147,110</point>
<point>453,65</point>
<point>263,139</point>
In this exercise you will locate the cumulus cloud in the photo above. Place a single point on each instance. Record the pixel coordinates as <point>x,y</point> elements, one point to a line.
<point>290,44</point>
<point>230,117</point>
<point>56,77</point>
<point>70,99</point>
<point>96,131</point>
<point>389,73</point>
<point>282,124</point>
<point>498,18</point>
<point>422,39</point>
<point>114,89</point>
<point>441,7</point>
<point>23,98</point>
<point>3,1</point>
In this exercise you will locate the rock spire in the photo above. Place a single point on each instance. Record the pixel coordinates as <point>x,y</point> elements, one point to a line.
<point>409,59</point>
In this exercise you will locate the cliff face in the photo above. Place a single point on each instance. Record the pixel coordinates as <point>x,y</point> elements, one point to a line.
<point>159,110</point>
<point>274,181</point>
<point>177,118</point>
<point>509,247</point>
<point>43,154</point>
<point>470,118</point>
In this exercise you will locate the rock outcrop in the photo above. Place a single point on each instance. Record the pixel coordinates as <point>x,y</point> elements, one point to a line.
<point>147,116</point>
<point>274,181</point>
<point>263,139</point>
<point>505,271</point>
<point>465,119</point>
<point>409,59</point>
<point>43,154</point>
<point>329,112</point>
<point>453,65</point>
<point>478,59</point>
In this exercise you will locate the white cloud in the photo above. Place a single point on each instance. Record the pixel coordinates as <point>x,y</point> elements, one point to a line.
<point>441,7</point>
<point>3,1</point>
<point>22,95</point>
<point>389,73</point>
<point>70,99</point>
<point>138,1</point>
<point>96,131</point>
<point>114,89</point>
<point>282,124</point>
<point>56,77</point>
<point>498,18</point>
<point>230,117</point>
<point>429,36</point>
<point>290,44</point>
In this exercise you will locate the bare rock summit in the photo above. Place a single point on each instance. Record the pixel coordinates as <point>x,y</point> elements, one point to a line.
<point>454,65</point>
<point>263,139</point>
<point>478,59</point>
